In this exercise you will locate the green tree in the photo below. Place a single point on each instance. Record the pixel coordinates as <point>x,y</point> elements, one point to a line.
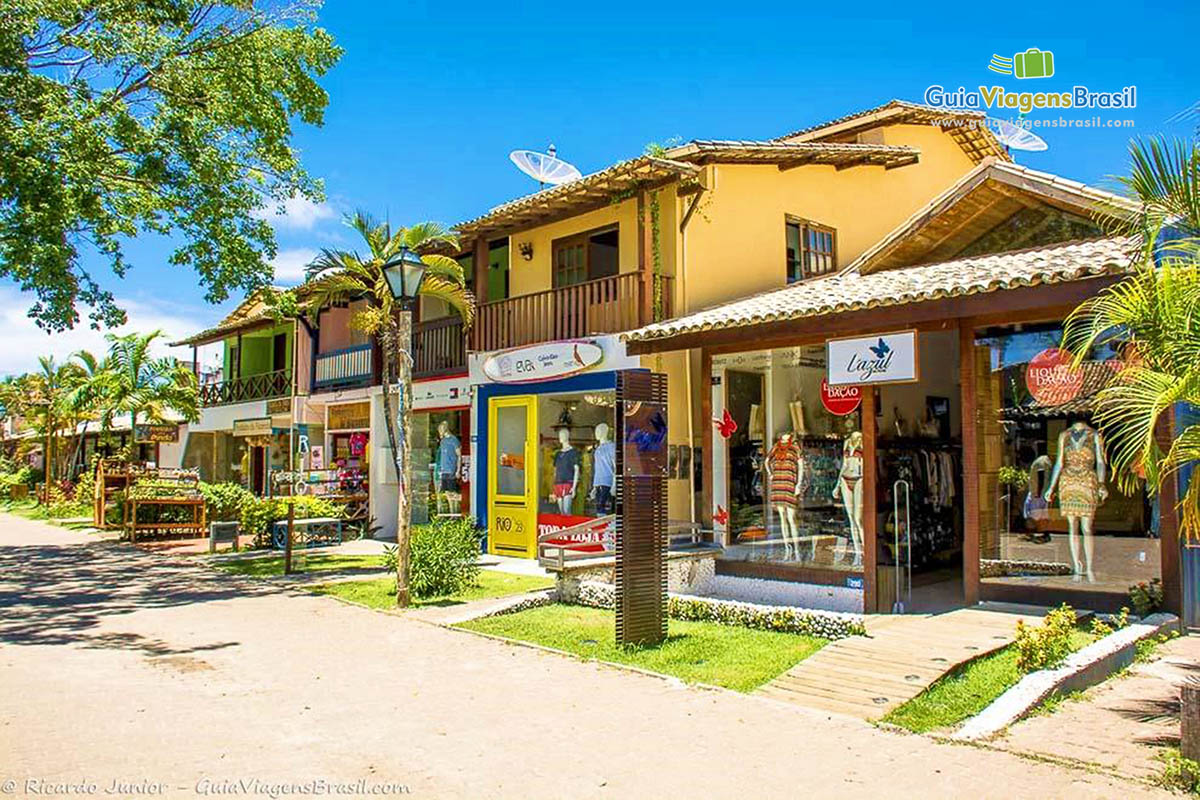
<point>46,407</point>
<point>145,387</point>
<point>1156,313</point>
<point>338,275</point>
<point>172,118</point>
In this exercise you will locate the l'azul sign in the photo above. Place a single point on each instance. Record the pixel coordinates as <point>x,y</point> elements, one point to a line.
<point>542,362</point>
<point>879,358</point>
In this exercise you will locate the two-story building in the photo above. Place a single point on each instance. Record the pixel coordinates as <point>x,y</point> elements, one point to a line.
<point>560,272</point>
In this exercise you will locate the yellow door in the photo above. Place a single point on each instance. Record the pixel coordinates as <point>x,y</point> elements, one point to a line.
<point>512,476</point>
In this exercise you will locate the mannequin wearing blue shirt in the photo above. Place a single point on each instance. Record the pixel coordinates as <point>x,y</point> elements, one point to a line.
<point>448,455</point>
<point>604,478</point>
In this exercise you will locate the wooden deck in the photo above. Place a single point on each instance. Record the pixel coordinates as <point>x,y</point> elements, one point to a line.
<point>865,677</point>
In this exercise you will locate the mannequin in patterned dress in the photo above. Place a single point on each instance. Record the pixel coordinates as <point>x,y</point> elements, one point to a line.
<point>1079,475</point>
<point>785,473</point>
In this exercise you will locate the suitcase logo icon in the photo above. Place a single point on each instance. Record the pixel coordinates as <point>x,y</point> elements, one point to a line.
<point>1033,63</point>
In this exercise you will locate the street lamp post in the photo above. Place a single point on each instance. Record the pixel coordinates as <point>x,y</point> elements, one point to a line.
<point>404,273</point>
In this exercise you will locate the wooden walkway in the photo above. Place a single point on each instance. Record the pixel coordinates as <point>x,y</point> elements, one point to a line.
<point>900,657</point>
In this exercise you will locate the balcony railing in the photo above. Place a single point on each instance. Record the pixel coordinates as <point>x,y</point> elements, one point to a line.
<point>345,367</point>
<point>605,305</point>
<point>439,347</point>
<point>251,387</point>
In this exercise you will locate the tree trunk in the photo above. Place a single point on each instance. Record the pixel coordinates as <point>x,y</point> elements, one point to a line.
<point>1189,739</point>
<point>404,515</point>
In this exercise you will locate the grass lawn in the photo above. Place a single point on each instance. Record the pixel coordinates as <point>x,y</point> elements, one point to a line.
<point>269,566</point>
<point>28,508</point>
<point>698,652</point>
<point>966,691</point>
<point>381,592</point>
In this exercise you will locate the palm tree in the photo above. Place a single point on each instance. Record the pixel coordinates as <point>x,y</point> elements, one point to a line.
<point>143,386</point>
<point>86,399</point>
<point>45,396</point>
<point>338,275</point>
<point>1155,313</point>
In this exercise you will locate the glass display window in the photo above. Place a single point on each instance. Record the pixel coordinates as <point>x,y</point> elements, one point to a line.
<point>576,457</point>
<point>438,464</point>
<point>791,454</point>
<point>1052,516</point>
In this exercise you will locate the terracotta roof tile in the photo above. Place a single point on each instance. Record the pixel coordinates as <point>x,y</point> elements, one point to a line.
<point>853,291</point>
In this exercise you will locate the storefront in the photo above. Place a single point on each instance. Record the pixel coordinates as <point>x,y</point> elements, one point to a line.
<point>906,435</point>
<point>543,438</point>
<point>441,448</point>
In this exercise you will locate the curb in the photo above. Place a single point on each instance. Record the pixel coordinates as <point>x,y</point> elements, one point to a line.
<point>1082,669</point>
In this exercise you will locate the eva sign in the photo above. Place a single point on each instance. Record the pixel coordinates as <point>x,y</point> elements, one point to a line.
<point>542,362</point>
<point>840,400</point>
<point>1051,378</point>
<point>879,358</point>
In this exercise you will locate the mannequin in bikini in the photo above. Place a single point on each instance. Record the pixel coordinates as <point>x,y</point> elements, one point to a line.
<point>849,489</point>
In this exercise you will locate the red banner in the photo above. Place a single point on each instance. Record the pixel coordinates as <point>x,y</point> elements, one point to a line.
<point>1051,378</point>
<point>840,400</point>
<point>592,538</point>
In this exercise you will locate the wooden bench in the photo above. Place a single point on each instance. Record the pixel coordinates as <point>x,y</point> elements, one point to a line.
<point>310,532</point>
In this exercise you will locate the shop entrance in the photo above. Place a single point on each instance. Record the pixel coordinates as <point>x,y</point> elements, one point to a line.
<point>512,476</point>
<point>918,485</point>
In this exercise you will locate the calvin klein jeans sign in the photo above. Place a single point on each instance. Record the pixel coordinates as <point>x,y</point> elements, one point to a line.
<point>878,358</point>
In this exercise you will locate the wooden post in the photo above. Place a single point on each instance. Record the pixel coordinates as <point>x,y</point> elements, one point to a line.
<point>1189,721</point>
<point>968,385</point>
<point>287,544</point>
<point>870,477</point>
<point>645,252</point>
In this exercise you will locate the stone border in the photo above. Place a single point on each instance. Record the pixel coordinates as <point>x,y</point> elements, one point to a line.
<point>1082,669</point>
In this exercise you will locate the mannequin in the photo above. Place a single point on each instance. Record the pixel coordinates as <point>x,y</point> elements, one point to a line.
<point>928,426</point>
<point>448,459</point>
<point>605,477</point>
<point>796,409</point>
<point>849,489</point>
<point>566,472</point>
<point>786,473</point>
<point>1080,471</point>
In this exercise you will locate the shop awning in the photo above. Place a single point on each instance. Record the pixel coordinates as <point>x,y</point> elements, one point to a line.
<point>847,292</point>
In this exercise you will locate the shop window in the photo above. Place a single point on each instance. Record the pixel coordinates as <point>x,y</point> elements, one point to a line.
<point>811,250</point>
<point>586,256</point>
<point>1053,519</point>
<point>787,466</point>
<point>576,457</point>
<point>438,465</point>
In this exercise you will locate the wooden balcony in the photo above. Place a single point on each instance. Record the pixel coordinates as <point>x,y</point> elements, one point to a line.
<point>264,386</point>
<point>349,366</point>
<point>605,305</point>
<point>439,347</point>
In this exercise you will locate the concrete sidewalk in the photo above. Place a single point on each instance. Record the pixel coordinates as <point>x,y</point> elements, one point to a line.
<point>123,664</point>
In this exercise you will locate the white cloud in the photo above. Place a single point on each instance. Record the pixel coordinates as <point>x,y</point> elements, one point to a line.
<point>298,213</point>
<point>22,341</point>
<point>290,264</point>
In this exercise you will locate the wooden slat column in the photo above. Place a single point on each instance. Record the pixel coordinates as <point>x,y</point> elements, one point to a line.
<point>480,264</point>
<point>968,385</point>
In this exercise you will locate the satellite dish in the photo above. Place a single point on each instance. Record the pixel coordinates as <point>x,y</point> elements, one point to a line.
<point>1015,137</point>
<point>545,167</point>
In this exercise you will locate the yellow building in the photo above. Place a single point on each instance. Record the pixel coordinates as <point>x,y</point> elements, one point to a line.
<point>662,235</point>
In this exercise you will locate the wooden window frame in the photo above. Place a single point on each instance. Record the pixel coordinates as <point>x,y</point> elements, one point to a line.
<point>581,239</point>
<point>807,226</point>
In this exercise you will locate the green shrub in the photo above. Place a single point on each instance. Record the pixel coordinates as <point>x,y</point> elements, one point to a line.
<point>20,477</point>
<point>1146,597</point>
<point>1180,773</point>
<point>260,512</point>
<point>1047,645</point>
<point>443,557</point>
<point>1102,627</point>
<point>223,502</point>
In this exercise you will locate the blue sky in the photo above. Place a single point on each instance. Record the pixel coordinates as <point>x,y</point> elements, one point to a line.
<point>430,98</point>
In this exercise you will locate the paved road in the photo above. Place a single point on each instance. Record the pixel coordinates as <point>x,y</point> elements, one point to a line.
<point>116,664</point>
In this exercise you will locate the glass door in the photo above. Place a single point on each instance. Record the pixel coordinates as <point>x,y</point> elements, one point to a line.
<point>512,476</point>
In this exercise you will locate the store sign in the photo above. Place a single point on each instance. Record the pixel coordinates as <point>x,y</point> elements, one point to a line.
<point>1052,378</point>
<point>840,400</point>
<point>156,434</point>
<point>282,405</point>
<point>442,393</point>
<point>879,358</point>
<point>259,426</point>
<point>350,416</point>
<point>542,362</point>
